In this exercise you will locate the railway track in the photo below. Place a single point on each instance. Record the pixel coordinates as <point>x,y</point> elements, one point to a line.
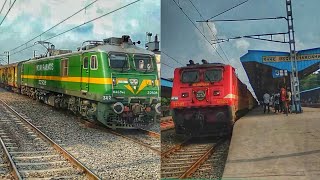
<point>182,160</point>
<point>33,155</point>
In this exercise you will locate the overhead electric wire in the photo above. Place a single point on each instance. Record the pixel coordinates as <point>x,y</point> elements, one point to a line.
<point>228,10</point>
<point>198,29</point>
<point>213,34</point>
<point>162,52</point>
<point>3,6</point>
<point>81,24</point>
<point>248,19</point>
<point>167,65</point>
<point>55,25</point>
<point>7,12</point>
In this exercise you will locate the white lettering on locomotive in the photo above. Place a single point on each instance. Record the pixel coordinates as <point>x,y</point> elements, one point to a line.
<point>42,82</point>
<point>152,92</point>
<point>45,67</point>
<point>118,92</point>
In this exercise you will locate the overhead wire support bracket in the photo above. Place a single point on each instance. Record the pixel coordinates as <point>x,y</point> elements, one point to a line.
<point>254,36</point>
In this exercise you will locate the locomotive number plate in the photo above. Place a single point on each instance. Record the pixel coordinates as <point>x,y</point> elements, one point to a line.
<point>221,101</point>
<point>152,92</point>
<point>42,82</point>
<point>178,104</point>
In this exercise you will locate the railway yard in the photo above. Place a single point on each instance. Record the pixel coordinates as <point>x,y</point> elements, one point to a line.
<point>108,154</point>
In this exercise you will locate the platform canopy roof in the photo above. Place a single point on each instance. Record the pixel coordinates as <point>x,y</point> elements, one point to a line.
<point>166,82</point>
<point>308,60</point>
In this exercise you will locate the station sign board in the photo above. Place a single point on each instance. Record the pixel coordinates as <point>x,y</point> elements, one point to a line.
<point>276,73</point>
<point>301,57</point>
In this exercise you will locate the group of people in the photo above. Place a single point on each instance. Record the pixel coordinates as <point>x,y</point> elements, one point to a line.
<point>281,101</point>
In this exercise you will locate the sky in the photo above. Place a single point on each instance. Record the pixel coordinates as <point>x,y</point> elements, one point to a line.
<point>29,18</point>
<point>182,41</point>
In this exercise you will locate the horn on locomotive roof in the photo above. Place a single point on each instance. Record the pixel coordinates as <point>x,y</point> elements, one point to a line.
<point>191,62</point>
<point>204,61</point>
<point>125,38</point>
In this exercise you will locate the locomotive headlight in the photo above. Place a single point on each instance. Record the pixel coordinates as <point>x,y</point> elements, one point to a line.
<point>133,82</point>
<point>174,98</point>
<point>185,94</point>
<point>118,107</point>
<point>200,95</point>
<point>216,93</point>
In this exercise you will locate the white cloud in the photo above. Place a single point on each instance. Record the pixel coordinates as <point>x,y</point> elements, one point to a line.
<point>28,18</point>
<point>242,44</point>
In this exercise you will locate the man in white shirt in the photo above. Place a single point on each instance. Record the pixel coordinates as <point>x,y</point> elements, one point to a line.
<point>266,101</point>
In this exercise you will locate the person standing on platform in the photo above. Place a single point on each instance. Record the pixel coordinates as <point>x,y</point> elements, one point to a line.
<point>283,98</point>
<point>288,99</point>
<point>276,103</point>
<point>266,101</point>
<point>271,103</point>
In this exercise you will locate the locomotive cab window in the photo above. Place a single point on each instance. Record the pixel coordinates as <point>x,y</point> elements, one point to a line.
<point>213,75</point>
<point>64,67</point>
<point>93,63</point>
<point>190,76</point>
<point>119,61</point>
<point>85,63</point>
<point>143,62</point>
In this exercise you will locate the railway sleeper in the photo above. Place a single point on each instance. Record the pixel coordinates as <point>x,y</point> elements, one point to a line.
<point>171,168</point>
<point>49,172</point>
<point>177,163</point>
<point>43,165</point>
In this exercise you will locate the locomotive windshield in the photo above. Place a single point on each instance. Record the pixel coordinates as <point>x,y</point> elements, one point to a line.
<point>143,62</point>
<point>213,75</point>
<point>119,61</point>
<point>190,77</point>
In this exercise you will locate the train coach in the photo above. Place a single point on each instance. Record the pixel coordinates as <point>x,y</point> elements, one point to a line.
<point>206,96</point>
<point>112,81</point>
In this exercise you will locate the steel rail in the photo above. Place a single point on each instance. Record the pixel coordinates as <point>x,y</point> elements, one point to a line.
<point>201,160</point>
<point>13,166</point>
<point>150,133</point>
<point>166,124</point>
<point>57,147</point>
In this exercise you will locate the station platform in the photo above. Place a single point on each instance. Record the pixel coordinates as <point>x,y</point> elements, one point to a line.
<point>275,146</point>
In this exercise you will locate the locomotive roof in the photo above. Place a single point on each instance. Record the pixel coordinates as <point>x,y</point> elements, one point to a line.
<point>203,65</point>
<point>9,65</point>
<point>124,48</point>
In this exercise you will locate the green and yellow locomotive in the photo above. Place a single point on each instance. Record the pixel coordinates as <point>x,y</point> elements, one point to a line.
<point>112,81</point>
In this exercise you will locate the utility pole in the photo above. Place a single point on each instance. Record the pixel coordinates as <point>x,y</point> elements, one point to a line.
<point>296,106</point>
<point>8,55</point>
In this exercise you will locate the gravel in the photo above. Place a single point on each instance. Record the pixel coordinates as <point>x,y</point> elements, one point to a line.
<point>107,155</point>
<point>4,168</point>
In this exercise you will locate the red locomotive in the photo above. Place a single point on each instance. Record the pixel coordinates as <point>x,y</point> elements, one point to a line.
<point>206,96</point>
